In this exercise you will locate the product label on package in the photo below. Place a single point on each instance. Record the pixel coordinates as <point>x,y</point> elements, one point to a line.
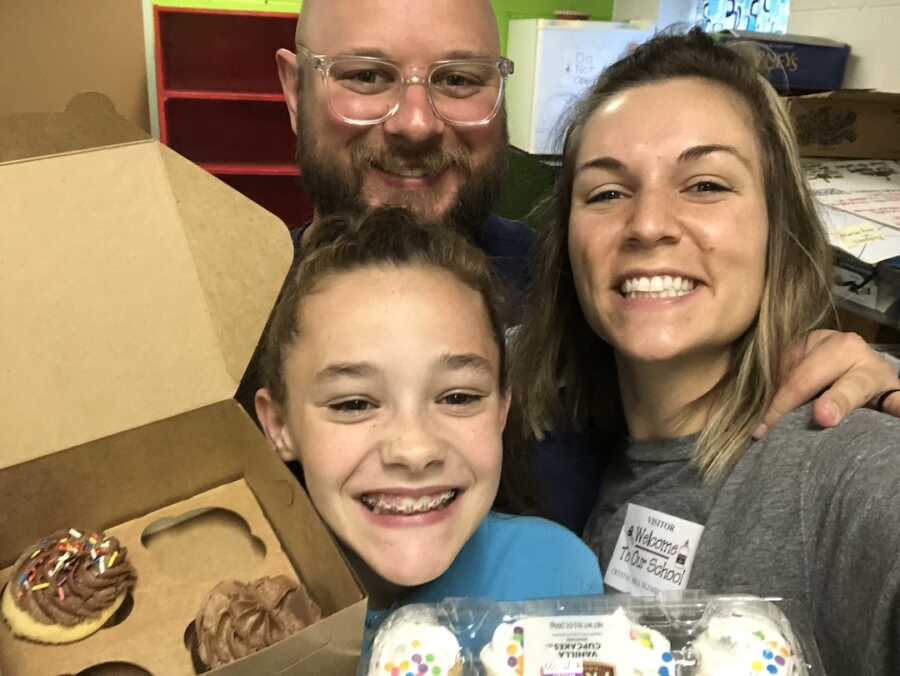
<point>567,646</point>
<point>654,552</point>
<point>598,669</point>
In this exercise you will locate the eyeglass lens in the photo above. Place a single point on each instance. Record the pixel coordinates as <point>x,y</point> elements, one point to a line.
<point>363,90</point>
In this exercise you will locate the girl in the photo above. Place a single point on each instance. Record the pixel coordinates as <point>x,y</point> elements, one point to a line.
<point>385,376</point>
<point>685,258</point>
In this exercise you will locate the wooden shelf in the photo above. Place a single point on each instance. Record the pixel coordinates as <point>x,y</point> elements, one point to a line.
<point>230,51</point>
<point>220,101</point>
<point>208,130</point>
<point>243,169</point>
<point>280,194</point>
<point>220,95</point>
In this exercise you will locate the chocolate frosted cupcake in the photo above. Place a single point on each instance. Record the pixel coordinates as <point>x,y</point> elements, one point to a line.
<point>66,586</point>
<point>238,619</point>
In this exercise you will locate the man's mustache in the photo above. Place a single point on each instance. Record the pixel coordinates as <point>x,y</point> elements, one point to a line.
<point>392,160</point>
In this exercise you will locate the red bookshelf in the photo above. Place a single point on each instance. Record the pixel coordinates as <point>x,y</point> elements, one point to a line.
<point>220,102</point>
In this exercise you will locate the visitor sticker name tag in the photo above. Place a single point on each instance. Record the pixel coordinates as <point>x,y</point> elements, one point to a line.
<point>654,552</point>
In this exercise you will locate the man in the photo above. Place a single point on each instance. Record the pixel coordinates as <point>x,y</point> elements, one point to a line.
<point>381,120</point>
<point>442,153</point>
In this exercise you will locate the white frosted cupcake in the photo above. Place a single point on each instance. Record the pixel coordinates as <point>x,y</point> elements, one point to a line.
<point>416,645</point>
<point>740,643</point>
<point>593,645</point>
<point>505,654</point>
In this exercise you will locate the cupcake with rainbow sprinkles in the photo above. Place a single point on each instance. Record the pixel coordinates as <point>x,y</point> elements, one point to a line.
<point>415,645</point>
<point>743,643</point>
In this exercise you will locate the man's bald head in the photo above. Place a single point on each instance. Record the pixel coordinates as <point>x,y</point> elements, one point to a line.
<point>307,13</point>
<point>479,13</point>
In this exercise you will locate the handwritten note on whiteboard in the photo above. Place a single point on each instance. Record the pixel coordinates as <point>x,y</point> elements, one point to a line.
<point>857,235</point>
<point>866,188</point>
<point>866,240</point>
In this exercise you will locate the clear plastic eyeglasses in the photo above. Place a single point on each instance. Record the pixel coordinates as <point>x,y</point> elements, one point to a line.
<point>365,90</point>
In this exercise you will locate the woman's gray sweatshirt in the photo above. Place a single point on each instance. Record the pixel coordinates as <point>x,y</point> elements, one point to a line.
<point>807,514</point>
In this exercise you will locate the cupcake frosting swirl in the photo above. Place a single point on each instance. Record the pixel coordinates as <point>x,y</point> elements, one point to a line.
<point>71,576</point>
<point>238,619</point>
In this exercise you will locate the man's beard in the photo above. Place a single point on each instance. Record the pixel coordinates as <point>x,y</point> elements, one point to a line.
<point>334,189</point>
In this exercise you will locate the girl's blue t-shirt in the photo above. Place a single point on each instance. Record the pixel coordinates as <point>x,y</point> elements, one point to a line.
<point>509,558</point>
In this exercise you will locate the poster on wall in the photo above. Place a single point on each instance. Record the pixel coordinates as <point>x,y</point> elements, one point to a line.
<point>766,16</point>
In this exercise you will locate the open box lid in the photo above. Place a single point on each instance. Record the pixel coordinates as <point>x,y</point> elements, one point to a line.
<point>134,286</point>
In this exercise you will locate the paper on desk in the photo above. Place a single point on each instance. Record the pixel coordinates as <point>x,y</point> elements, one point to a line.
<point>863,238</point>
<point>866,188</point>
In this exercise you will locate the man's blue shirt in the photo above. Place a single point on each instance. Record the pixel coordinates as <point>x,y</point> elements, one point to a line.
<point>508,245</point>
<point>567,466</point>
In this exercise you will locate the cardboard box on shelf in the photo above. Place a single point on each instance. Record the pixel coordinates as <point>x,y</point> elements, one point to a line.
<point>133,290</point>
<point>797,64</point>
<point>848,123</point>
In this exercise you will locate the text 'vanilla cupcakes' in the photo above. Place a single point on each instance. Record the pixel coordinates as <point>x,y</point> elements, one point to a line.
<point>66,586</point>
<point>237,619</point>
<point>588,645</point>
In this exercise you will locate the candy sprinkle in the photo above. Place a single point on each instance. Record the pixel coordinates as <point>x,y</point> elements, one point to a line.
<point>62,557</point>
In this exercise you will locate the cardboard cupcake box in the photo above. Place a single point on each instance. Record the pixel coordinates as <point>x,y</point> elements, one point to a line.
<point>134,287</point>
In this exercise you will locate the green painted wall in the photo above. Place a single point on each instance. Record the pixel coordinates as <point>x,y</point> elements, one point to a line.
<point>284,6</point>
<point>505,9</point>
<point>600,10</point>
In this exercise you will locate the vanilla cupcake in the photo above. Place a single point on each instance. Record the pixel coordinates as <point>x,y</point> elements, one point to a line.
<point>739,643</point>
<point>415,643</point>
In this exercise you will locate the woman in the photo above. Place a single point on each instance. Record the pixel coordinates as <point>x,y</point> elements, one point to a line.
<point>685,257</point>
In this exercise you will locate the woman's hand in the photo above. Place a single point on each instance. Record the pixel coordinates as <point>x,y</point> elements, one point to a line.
<point>850,372</point>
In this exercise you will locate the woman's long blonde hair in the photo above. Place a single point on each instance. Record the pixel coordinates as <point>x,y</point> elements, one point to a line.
<point>555,346</point>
